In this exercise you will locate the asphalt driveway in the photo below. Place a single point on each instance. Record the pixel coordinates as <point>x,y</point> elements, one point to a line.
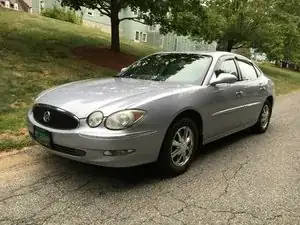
<point>243,179</point>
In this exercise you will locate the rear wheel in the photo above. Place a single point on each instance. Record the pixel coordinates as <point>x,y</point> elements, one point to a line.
<point>179,147</point>
<point>264,118</point>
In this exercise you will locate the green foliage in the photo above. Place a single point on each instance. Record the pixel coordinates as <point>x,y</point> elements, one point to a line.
<point>149,10</point>
<point>281,36</point>
<point>63,14</point>
<point>230,23</point>
<point>184,17</point>
<point>271,26</point>
<point>244,51</point>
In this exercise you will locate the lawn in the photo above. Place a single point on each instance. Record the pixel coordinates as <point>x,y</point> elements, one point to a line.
<point>285,80</point>
<point>36,53</point>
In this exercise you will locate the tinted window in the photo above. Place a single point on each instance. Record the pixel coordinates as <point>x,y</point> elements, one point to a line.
<point>183,68</point>
<point>248,71</point>
<point>228,66</point>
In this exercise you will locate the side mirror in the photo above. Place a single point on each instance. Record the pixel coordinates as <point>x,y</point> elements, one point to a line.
<point>224,78</point>
<point>123,69</point>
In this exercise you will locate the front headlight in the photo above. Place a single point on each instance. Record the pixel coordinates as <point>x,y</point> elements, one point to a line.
<point>124,119</point>
<point>95,119</point>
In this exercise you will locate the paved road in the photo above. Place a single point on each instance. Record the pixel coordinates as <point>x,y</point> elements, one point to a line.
<point>243,179</point>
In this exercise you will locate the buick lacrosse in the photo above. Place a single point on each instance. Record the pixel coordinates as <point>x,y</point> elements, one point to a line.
<point>161,109</point>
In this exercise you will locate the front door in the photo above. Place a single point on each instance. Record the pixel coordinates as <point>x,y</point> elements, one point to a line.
<point>225,111</point>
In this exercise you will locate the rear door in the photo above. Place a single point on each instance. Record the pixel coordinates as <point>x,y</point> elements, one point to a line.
<point>253,89</point>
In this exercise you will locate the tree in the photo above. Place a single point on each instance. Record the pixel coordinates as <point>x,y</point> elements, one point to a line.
<point>281,36</point>
<point>232,24</point>
<point>244,51</point>
<point>150,12</point>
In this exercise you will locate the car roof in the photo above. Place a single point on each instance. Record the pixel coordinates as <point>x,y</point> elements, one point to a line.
<point>214,54</point>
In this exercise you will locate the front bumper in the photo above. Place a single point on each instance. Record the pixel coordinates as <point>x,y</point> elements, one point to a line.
<point>88,145</point>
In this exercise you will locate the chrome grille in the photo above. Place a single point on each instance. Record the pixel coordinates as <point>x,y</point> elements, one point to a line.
<point>54,117</point>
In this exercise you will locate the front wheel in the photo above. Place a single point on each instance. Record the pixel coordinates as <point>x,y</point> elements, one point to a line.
<point>264,118</point>
<point>179,146</point>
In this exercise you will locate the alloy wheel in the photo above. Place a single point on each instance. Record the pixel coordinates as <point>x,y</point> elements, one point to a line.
<point>182,146</point>
<point>265,116</point>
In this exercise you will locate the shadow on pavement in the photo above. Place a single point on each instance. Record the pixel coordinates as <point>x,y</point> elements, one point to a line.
<point>127,178</point>
<point>221,144</point>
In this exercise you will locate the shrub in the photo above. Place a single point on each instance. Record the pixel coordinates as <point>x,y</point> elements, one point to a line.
<point>64,14</point>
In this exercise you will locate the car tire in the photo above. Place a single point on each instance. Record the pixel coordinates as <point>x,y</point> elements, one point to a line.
<point>264,120</point>
<point>168,161</point>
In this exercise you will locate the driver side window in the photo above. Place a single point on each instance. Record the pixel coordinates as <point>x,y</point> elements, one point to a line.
<point>228,66</point>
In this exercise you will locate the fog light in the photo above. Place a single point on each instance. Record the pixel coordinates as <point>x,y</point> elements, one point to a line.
<point>107,153</point>
<point>118,152</point>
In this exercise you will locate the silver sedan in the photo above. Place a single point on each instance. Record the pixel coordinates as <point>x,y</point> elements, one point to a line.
<point>160,109</point>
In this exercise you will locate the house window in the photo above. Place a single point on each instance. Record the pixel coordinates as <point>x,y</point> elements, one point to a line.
<point>90,13</point>
<point>16,6</point>
<point>7,4</point>
<point>144,37</point>
<point>42,5</point>
<point>137,35</point>
<point>152,28</point>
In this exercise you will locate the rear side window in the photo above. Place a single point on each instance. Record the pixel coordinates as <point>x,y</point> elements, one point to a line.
<point>247,70</point>
<point>258,71</point>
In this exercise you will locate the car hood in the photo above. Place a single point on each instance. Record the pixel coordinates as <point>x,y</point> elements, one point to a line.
<point>109,95</point>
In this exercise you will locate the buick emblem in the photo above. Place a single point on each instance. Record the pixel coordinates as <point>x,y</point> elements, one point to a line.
<point>47,116</point>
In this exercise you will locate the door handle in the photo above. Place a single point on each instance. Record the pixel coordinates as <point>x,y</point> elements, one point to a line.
<point>239,93</point>
<point>262,88</point>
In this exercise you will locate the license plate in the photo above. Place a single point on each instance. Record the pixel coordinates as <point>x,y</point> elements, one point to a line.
<point>42,136</point>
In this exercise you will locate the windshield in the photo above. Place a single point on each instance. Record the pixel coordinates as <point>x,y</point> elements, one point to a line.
<point>170,67</point>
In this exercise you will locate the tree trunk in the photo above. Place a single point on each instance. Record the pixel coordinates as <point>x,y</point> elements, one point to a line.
<point>224,45</point>
<point>114,19</point>
<point>229,45</point>
<point>221,45</point>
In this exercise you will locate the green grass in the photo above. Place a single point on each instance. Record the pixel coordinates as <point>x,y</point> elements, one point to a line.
<point>285,80</point>
<point>35,54</point>
<point>15,143</point>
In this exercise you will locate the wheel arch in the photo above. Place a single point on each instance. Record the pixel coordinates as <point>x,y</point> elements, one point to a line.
<point>191,114</point>
<point>271,100</point>
<point>185,113</point>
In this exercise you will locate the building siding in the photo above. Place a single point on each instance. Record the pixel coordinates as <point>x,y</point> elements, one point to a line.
<point>35,6</point>
<point>95,20</point>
